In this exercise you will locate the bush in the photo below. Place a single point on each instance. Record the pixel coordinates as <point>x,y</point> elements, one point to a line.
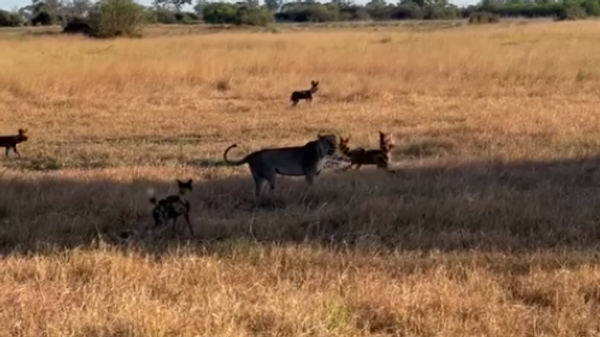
<point>77,26</point>
<point>165,17</point>
<point>219,13</point>
<point>8,19</point>
<point>478,18</point>
<point>186,18</point>
<point>572,11</point>
<point>436,12</point>
<point>43,18</point>
<point>591,7</point>
<point>354,13</point>
<point>308,13</point>
<point>253,16</point>
<point>406,11</point>
<point>114,18</point>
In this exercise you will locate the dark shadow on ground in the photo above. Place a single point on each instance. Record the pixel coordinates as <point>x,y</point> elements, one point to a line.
<point>206,163</point>
<point>507,207</point>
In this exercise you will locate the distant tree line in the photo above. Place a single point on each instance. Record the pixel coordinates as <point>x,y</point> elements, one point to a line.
<point>89,14</point>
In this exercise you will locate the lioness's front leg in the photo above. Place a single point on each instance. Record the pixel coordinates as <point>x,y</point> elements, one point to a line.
<point>310,178</point>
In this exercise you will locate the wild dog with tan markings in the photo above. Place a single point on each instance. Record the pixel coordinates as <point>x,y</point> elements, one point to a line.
<point>10,142</point>
<point>173,206</point>
<point>305,94</point>
<point>361,156</point>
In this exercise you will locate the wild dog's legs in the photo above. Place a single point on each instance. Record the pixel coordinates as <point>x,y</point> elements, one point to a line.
<point>175,224</point>
<point>16,151</point>
<point>186,216</point>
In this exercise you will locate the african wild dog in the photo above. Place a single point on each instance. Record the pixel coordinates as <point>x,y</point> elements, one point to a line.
<point>10,142</point>
<point>360,156</point>
<point>173,206</point>
<point>305,94</point>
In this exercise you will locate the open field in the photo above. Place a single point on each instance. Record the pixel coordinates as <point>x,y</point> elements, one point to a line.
<point>489,227</point>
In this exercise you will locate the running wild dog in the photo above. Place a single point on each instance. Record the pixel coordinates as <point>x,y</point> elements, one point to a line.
<point>359,156</point>
<point>305,94</point>
<point>173,206</point>
<point>10,142</point>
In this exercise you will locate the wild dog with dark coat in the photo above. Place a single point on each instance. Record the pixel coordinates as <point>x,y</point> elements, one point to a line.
<point>305,94</point>
<point>10,142</point>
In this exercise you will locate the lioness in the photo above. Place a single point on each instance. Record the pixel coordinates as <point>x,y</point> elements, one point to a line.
<point>305,161</point>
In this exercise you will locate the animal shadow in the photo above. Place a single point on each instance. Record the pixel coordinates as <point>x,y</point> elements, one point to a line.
<point>206,163</point>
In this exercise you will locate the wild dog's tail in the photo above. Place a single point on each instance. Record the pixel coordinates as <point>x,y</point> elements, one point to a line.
<point>233,162</point>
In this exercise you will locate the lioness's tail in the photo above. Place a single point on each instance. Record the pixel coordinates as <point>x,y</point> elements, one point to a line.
<point>151,196</point>
<point>234,162</point>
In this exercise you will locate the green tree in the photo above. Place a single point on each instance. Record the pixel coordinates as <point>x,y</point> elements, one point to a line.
<point>219,13</point>
<point>274,5</point>
<point>177,4</point>
<point>8,19</point>
<point>592,7</point>
<point>114,18</point>
<point>199,7</point>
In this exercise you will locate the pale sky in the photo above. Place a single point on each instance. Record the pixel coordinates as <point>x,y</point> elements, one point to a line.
<point>10,4</point>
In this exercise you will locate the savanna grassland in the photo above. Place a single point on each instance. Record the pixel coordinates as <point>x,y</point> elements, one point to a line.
<point>488,228</point>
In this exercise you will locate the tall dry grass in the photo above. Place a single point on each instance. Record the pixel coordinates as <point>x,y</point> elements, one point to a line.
<point>489,227</point>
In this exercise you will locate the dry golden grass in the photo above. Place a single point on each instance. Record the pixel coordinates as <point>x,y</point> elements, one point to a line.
<point>489,228</point>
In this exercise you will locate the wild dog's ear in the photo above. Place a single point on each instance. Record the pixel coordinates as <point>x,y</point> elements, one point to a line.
<point>186,184</point>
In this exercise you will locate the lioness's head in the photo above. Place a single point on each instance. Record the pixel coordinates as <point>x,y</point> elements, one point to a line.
<point>327,143</point>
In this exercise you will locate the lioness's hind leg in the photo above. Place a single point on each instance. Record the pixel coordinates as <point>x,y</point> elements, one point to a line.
<point>310,178</point>
<point>259,183</point>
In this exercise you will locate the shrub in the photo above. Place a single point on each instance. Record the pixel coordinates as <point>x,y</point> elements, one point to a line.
<point>165,17</point>
<point>77,26</point>
<point>308,13</point>
<point>253,16</point>
<point>43,18</point>
<point>571,11</point>
<point>592,7</point>
<point>114,18</point>
<point>186,18</point>
<point>483,18</point>
<point>354,13</point>
<point>436,12</point>
<point>219,13</point>
<point>8,19</point>
<point>406,11</point>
